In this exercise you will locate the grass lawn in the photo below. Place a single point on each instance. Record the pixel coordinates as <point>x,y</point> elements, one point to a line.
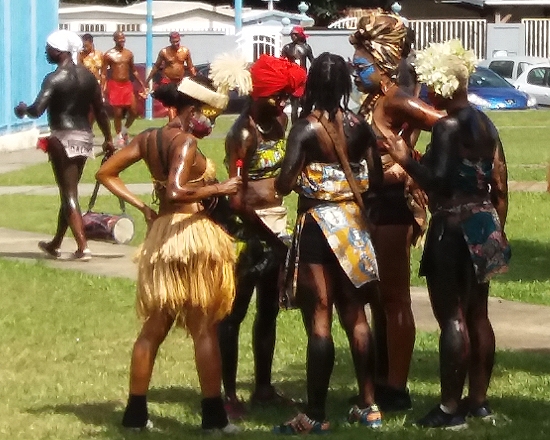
<point>528,279</point>
<point>66,342</point>
<point>523,135</point>
<point>67,336</point>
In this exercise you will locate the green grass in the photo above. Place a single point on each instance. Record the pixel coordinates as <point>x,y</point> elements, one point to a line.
<point>67,338</point>
<point>523,135</point>
<point>528,279</point>
<point>41,174</point>
<point>66,343</point>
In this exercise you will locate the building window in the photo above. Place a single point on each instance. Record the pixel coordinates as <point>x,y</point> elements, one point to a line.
<point>64,26</point>
<point>92,28</point>
<point>263,44</point>
<point>128,27</point>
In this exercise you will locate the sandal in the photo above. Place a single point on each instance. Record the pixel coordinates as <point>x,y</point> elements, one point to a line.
<point>302,424</point>
<point>47,249</point>
<point>369,416</point>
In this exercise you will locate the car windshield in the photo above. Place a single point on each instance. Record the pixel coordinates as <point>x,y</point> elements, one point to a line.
<point>487,78</point>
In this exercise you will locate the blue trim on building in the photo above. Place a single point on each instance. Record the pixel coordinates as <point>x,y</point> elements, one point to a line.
<point>24,27</point>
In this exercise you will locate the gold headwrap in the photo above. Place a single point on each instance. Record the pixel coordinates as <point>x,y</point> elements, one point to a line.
<point>383,36</point>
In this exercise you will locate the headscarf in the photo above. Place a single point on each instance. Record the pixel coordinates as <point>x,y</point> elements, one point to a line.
<point>65,41</point>
<point>383,36</point>
<point>272,76</point>
<point>299,30</point>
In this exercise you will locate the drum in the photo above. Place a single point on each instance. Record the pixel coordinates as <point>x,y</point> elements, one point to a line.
<point>108,227</point>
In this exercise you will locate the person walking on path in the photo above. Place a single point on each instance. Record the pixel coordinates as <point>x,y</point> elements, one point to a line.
<point>90,57</point>
<point>175,61</point>
<point>464,174</point>
<point>67,94</point>
<point>116,83</point>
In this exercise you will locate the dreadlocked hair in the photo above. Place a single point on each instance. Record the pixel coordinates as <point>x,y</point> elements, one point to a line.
<point>328,85</point>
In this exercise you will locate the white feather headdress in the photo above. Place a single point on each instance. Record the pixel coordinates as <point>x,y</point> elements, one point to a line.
<point>227,72</point>
<point>230,72</point>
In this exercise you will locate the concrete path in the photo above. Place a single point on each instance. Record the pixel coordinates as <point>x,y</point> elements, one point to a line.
<point>517,325</point>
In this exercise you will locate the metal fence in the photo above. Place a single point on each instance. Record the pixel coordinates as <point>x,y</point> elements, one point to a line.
<point>537,37</point>
<point>472,32</point>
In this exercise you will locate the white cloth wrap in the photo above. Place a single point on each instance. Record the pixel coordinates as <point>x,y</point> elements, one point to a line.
<point>65,41</point>
<point>76,142</point>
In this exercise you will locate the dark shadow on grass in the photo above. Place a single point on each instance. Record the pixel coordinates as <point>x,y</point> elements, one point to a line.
<point>109,415</point>
<point>26,255</point>
<point>530,261</point>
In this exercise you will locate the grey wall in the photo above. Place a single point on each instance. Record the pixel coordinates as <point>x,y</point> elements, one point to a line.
<point>204,46</point>
<point>506,36</point>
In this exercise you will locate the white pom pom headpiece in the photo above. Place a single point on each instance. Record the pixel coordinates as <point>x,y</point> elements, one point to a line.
<point>445,67</point>
<point>230,72</point>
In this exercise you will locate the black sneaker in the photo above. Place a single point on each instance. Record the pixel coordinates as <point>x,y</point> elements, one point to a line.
<point>482,412</point>
<point>436,418</point>
<point>391,399</point>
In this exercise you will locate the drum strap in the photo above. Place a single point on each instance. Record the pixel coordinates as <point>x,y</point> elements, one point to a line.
<point>93,198</point>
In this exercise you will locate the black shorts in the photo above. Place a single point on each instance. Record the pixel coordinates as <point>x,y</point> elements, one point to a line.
<point>314,248</point>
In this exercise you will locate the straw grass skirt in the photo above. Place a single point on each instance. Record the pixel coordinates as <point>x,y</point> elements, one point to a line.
<point>186,268</point>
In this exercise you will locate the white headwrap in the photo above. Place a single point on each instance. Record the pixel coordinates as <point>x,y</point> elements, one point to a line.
<point>65,41</point>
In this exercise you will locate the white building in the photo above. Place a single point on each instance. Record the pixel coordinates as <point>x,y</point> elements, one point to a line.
<point>260,33</point>
<point>186,16</point>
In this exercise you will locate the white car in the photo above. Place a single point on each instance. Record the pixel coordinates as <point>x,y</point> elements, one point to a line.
<point>511,67</point>
<point>535,81</point>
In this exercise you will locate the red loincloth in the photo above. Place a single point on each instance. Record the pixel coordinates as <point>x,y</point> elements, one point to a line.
<point>120,94</point>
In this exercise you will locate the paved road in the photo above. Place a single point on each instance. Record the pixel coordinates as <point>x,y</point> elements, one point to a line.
<point>517,325</point>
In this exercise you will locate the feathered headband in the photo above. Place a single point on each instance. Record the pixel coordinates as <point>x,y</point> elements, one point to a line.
<point>445,67</point>
<point>227,72</point>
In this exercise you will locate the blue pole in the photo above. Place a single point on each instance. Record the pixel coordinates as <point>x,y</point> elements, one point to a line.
<point>238,15</point>
<point>149,56</point>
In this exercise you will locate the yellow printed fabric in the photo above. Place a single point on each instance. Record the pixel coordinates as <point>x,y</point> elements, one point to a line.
<point>94,62</point>
<point>346,232</point>
<point>341,221</point>
<point>267,160</point>
<point>325,181</point>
